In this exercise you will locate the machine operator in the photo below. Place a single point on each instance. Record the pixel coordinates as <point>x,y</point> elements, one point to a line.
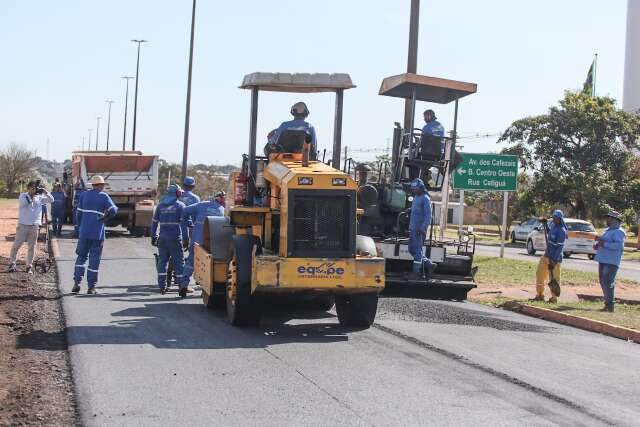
<point>300,112</point>
<point>433,128</point>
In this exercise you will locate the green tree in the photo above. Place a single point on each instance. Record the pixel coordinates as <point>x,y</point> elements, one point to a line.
<point>579,155</point>
<point>16,164</point>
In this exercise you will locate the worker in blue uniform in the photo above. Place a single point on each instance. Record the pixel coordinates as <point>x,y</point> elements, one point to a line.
<point>57,209</point>
<point>77,194</point>
<point>169,234</point>
<point>189,198</point>
<point>419,221</point>
<point>300,112</point>
<point>94,207</point>
<point>551,261</point>
<point>213,207</point>
<point>433,128</point>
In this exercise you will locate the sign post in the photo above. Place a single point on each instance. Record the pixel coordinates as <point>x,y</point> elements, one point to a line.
<point>488,172</point>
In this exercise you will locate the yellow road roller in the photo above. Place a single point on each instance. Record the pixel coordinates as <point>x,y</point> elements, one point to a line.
<point>291,227</point>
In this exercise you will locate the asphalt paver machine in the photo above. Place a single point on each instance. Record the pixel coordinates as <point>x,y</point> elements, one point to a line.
<point>292,229</point>
<point>386,200</point>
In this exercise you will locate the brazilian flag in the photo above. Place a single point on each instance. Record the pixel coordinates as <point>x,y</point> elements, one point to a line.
<point>589,84</point>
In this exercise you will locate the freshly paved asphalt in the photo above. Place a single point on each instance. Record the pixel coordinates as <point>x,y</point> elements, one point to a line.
<point>628,269</point>
<point>140,358</point>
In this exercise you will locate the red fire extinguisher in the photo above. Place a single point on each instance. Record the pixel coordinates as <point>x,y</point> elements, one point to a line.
<point>240,195</point>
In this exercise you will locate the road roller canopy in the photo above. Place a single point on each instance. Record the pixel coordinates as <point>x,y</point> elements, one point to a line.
<point>297,82</point>
<point>425,88</point>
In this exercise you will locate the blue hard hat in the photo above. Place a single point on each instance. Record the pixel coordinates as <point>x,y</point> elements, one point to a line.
<point>173,188</point>
<point>558,214</point>
<point>417,183</point>
<point>189,180</point>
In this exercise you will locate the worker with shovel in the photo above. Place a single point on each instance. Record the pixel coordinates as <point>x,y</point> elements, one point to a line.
<point>549,266</point>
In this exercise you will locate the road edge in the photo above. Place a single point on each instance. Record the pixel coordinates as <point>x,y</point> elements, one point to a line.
<point>575,321</point>
<point>55,253</point>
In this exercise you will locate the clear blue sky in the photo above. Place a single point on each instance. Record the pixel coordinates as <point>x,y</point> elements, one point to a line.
<point>62,59</point>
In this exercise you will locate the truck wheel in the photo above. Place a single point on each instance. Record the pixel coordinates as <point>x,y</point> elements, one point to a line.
<point>242,308</point>
<point>530,249</point>
<point>325,302</point>
<point>513,237</point>
<point>137,231</point>
<point>567,254</point>
<point>357,311</point>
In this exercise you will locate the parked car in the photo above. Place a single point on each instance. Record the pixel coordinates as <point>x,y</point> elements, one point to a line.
<point>521,231</point>
<point>580,239</point>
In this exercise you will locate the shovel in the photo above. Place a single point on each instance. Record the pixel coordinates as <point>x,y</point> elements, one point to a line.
<point>553,284</point>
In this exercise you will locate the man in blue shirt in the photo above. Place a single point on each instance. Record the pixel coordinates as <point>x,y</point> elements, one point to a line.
<point>189,198</point>
<point>168,230</point>
<point>213,207</point>
<point>419,221</point>
<point>550,262</point>
<point>57,209</point>
<point>94,207</point>
<point>610,247</point>
<point>433,128</point>
<point>300,112</point>
<point>77,194</point>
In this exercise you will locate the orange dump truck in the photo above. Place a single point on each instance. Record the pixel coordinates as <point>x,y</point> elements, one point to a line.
<point>132,183</point>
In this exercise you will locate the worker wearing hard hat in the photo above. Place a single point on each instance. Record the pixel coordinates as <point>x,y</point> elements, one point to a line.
<point>433,128</point>
<point>189,198</point>
<point>549,264</point>
<point>419,221</point>
<point>610,248</point>
<point>200,211</point>
<point>167,233</point>
<point>300,112</point>
<point>94,207</point>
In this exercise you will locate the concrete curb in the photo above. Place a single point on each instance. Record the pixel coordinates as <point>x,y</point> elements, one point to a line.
<point>575,321</point>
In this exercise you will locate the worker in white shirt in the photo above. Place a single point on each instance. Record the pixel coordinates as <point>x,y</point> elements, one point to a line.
<point>29,221</point>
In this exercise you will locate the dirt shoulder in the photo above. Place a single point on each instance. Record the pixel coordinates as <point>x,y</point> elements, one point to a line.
<point>35,384</point>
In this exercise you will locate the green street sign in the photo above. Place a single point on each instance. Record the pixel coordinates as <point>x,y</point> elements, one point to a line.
<point>486,172</point>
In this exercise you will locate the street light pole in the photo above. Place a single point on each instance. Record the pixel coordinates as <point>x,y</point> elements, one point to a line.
<point>135,102</point>
<point>97,131</point>
<point>89,144</point>
<point>126,104</point>
<point>185,146</point>
<point>412,60</point>
<point>109,101</point>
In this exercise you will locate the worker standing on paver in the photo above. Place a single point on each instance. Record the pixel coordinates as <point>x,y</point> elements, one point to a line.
<point>189,198</point>
<point>94,207</point>
<point>609,247</point>
<point>199,211</point>
<point>433,128</point>
<point>57,208</point>
<point>419,222</point>
<point>169,234</point>
<point>549,263</point>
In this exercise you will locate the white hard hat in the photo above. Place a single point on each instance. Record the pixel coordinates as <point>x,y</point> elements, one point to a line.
<point>97,179</point>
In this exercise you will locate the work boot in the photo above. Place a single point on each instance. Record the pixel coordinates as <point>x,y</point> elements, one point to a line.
<point>553,300</point>
<point>430,269</point>
<point>76,288</point>
<point>164,290</point>
<point>183,292</point>
<point>91,291</point>
<point>538,297</point>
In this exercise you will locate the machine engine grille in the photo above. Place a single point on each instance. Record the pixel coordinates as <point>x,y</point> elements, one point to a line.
<point>322,225</point>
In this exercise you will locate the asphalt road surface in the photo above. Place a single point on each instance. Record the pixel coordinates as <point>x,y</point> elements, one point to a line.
<point>141,358</point>
<point>628,269</point>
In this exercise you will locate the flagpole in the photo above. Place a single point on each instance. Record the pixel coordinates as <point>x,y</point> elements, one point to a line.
<point>595,67</point>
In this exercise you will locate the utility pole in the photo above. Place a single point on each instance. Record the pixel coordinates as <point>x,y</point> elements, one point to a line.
<point>83,141</point>
<point>135,102</point>
<point>185,146</point>
<point>412,58</point>
<point>89,145</point>
<point>126,104</point>
<point>109,101</point>
<point>97,131</point>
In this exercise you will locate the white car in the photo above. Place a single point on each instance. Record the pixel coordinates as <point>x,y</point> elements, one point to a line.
<point>521,231</point>
<point>580,239</point>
